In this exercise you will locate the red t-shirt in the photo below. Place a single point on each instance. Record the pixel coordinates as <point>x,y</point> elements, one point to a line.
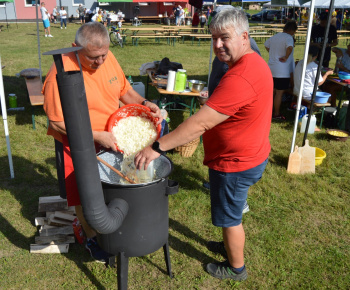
<point>245,93</point>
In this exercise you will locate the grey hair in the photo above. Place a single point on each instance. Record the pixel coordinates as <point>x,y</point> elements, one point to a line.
<point>226,18</point>
<point>92,32</point>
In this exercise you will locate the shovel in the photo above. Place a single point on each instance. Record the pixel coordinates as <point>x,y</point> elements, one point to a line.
<point>294,162</point>
<point>307,158</point>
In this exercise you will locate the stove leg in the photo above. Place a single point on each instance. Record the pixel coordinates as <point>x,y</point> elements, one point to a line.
<point>122,271</point>
<point>111,261</point>
<point>167,259</point>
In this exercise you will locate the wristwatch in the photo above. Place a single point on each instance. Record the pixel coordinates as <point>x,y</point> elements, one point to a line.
<point>155,147</point>
<point>144,102</point>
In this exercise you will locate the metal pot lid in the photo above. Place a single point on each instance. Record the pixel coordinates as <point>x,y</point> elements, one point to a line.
<point>162,169</point>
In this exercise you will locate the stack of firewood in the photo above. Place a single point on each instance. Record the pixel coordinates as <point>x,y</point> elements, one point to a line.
<point>55,226</point>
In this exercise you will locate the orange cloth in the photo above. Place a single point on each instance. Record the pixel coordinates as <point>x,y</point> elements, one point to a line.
<point>103,88</point>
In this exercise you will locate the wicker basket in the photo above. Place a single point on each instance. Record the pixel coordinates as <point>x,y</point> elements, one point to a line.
<point>188,149</point>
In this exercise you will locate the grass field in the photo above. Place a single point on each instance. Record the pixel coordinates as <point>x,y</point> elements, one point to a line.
<point>297,230</point>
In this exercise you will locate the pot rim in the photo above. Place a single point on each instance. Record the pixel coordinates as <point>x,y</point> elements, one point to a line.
<point>139,184</point>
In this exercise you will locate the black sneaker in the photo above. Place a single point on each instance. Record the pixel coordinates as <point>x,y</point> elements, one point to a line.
<point>96,252</point>
<point>217,247</point>
<point>224,270</point>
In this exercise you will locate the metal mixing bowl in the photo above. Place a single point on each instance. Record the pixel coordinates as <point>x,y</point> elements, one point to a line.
<point>196,86</point>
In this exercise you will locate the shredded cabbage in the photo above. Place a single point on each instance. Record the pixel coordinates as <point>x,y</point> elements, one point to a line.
<point>134,134</point>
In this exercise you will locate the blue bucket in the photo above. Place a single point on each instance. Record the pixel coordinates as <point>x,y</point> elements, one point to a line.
<point>322,97</point>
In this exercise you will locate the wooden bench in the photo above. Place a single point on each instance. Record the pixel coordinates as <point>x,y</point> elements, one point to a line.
<point>347,38</point>
<point>157,37</point>
<point>199,36</point>
<point>260,36</point>
<point>307,103</point>
<point>36,98</point>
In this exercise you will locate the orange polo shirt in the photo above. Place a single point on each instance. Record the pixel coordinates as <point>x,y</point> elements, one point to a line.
<point>103,88</point>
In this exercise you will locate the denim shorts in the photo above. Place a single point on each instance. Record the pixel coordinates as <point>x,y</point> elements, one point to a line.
<point>228,194</point>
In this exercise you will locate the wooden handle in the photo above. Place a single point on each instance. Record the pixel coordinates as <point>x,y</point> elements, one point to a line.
<point>115,170</point>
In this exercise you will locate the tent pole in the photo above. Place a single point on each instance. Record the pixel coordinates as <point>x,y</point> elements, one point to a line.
<point>38,37</point>
<point>331,5</point>
<point>306,52</point>
<point>4,117</point>
<point>7,24</point>
<point>211,48</point>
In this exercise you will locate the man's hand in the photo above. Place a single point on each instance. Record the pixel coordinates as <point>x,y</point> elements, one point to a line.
<point>144,157</point>
<point>155,111</point>
<point>105,139</point>
<point>283,59</point>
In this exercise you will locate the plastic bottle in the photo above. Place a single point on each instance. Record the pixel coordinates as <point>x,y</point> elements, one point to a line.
<point>12,101</point>
<point>130,81</point>
<point>180,80</point>
<point>312,125</point>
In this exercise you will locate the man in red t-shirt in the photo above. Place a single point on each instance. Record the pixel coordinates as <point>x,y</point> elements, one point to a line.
<point>235,124</point>
<point>105,85</point>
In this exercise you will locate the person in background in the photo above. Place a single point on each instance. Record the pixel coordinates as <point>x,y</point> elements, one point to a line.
<point>105,86</point>
<point>305,18</point>
<point>202,19</point>
<point>317,37</point>
<point>334,19</point>
<point>343,64</point>
<point>238,117</point>
<point>209,11</point>
<point>90,14</point>
<point>195,20</point>
<point>63,16</point>
<point>81,12</point>
<point>54,13</point>
<point>310,74</point>
<point>339,20</point>
<point>346,21</point>
<point>104,18</point>
<point>281,62</point>
<point>45,17</point>
<point>176,11</point>
<point>182,16</point>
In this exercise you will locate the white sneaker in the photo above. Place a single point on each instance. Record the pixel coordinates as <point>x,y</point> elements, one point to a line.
<point>61,28</point>
<point>245,207</point>
<point>45,35</point>
<point>65,28</point>
<point>50,35</point>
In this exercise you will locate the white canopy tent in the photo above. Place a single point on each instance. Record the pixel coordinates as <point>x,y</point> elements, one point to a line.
<point>4,117</point>
<point>339,4</point>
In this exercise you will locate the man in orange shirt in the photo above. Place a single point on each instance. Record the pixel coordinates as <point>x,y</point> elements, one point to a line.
<point>105,85</point>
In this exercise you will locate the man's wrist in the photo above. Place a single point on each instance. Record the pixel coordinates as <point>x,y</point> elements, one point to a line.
<point>156,148</point>
<point>144,102</point>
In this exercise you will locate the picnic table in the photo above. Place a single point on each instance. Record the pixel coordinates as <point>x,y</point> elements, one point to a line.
<point>36,98</point>
<point>162,91</point>
<point>344,87</point>
<point>171,34</point>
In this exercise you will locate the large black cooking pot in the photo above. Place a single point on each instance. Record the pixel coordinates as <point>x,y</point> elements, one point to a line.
<point>145,228</point>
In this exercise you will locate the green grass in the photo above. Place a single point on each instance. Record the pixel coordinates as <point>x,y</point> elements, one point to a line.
<point>297,229</point>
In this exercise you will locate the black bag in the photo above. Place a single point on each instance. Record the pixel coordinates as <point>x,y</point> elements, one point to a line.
<point>166,65</point>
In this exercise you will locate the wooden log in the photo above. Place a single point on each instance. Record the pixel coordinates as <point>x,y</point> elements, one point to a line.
<point>64,216</point>
<point>40,221</point>
<point>52,221</point>
<point>49,249</point>
<point>52,203</point>
<point>57,239</point>
<point>51,231</point>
